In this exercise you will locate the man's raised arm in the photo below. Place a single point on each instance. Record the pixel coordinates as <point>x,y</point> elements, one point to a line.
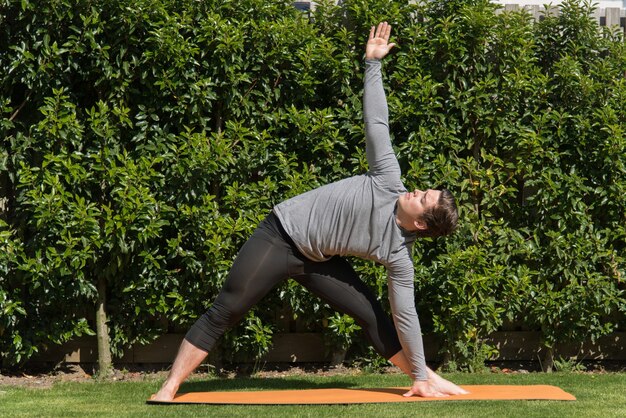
<point>380,156</point>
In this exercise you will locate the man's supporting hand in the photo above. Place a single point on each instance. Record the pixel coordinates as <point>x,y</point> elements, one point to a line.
<point>424,389</point>
<point>378,45</point>
<point>434,384</point>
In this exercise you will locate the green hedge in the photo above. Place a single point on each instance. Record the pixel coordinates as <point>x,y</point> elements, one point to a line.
<point>141,141</point>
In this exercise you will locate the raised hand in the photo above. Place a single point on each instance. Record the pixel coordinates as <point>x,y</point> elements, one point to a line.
<point>378,45</point>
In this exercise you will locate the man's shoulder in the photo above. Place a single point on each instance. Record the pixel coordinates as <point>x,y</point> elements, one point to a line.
<point>386,181</point>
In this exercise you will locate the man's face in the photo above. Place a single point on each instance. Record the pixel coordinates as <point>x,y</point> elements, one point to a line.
<point>417,202</point>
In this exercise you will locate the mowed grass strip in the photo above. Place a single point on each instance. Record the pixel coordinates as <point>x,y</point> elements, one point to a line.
<point>598,395</point>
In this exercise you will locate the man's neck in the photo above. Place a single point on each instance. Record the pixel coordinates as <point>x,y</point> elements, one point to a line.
<point>403,220</point>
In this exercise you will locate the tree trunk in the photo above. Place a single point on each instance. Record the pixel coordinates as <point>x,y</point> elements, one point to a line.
<point>548,361</point>
<point>102,331</point>
<point>445,361</point>
<point>475,194</point>
<point>337,357</point>
<point>5,195</point>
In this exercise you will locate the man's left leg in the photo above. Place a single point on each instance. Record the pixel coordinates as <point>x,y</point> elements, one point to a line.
<point>336,282</point>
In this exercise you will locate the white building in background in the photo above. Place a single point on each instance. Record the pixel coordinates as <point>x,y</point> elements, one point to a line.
<point>600,4</point>
<point>607,12</point>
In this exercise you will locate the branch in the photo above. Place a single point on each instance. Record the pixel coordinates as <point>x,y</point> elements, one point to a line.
<point>14,115</point>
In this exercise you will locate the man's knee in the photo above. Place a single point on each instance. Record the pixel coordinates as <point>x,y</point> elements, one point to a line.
<point>205,332</point>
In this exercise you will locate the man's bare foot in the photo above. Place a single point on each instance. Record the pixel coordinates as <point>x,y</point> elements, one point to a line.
<point>165,394</point>
<point>445,386</point>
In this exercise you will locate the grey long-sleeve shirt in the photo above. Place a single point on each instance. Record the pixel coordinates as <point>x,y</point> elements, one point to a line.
<point>356,217</point>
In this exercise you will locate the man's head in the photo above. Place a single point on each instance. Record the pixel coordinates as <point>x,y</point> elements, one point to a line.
<point>430,213</point>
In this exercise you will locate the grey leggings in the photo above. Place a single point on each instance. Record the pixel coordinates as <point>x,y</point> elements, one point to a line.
<point>270,257</point>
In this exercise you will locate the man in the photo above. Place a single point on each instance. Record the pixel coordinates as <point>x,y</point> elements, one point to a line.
<point>370,216</point>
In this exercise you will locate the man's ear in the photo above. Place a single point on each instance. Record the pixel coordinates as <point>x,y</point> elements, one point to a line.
<point>420,225</point>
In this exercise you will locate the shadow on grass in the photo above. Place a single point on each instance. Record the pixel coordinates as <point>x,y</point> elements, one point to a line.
<point>214,385</point>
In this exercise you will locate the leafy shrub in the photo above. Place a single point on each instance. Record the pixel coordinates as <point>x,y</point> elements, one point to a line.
<point>142,141</point>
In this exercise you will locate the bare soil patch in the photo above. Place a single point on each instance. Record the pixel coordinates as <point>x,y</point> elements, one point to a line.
<point>44,376</point>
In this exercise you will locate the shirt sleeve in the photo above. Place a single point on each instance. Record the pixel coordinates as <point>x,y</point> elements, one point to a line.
<point>381,158</point>
<point>404,313</point>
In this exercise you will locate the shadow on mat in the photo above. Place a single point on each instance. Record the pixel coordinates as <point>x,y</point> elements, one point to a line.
<point>393,391</point>
<point>259,384</point>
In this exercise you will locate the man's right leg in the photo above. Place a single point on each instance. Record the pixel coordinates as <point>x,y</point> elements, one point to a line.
<point>259,266</point>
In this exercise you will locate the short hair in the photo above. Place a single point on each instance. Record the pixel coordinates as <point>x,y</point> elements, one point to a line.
<point>441,219</point>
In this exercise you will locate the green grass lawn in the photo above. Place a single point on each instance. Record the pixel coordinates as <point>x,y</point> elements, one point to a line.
<point>598,395</point>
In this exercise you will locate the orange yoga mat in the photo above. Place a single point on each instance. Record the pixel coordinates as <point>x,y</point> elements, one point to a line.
<point>371,395</point>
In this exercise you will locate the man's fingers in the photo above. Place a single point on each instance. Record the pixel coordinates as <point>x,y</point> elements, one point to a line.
<point>433,394</point>
<point>387,32</point>
<point>378,29</point>
<point>383,31</point>
<point>408,394</point>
